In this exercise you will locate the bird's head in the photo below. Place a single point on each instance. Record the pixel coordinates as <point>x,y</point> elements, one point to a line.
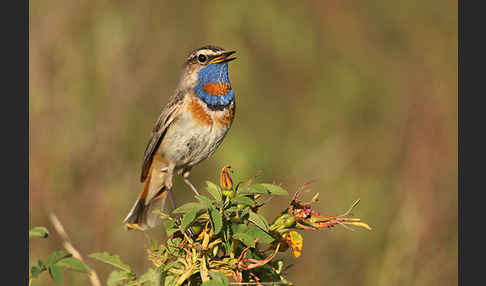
<point>206,72</point>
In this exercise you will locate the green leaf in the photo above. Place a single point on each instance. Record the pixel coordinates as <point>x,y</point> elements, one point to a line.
<point>275,190</point>
<point>219,277</point>
<point>54,257</point>
<point>247,239</point>
<point>170,265</point>
<point>189,207</point>
<point>169,280</point>
<point>112,259</point>
<point>151,277</point>
<point>188,218</point>
<point>73,264</point>
<point>254,232</point>
<point>56,273</point>
<point>215,191</point>
<point>217,220</point>
<point>35,271</point>
<point>170,227</point>
<point>172,245</point>
<point>162,215</point>
<point>213,283</point>
<point>229,211</point>
<point>239,227</point>
<point>38,231</point>
<point>205,200</point>
<point>244,200</point>
<point>117,277</point>
<point>263,236</point>
<point>259,221</point>
<point>226,238</point>
<point>253,189</point>
<point>243,212</point>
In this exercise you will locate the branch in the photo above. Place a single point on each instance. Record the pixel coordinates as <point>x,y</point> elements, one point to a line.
<point>95,281</point>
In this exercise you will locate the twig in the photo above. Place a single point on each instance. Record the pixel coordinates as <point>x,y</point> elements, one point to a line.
<point>254,177</point>
<point>351,208</point>
<point>93,277</point>
<point>301,189</point>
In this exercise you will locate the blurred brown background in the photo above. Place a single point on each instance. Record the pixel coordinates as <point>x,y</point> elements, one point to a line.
<point>360,96</point>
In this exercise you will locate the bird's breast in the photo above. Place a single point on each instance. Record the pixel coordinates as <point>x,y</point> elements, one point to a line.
<point>204,116</point>
<point>200,114</point>
<point>196,133</point>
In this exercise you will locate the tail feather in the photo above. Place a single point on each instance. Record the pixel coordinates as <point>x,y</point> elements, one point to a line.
<point>141,215</point>
<point>152,197</point>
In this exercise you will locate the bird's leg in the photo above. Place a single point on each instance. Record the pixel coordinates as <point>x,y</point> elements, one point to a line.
<point>186,180</point>
<point>172,201</point>
<point>168,183</point>
<point>189,230</point>
<point>173,205</point>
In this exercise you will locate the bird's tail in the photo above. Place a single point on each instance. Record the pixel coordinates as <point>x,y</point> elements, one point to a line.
<point>141,215</point>
<point>152,197</point>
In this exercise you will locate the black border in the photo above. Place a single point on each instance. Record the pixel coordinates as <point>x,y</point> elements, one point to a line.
<point>471,142</point>
<point>14,118</point>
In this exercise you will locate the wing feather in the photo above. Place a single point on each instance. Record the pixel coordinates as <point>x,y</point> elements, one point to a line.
<point>169,113</point>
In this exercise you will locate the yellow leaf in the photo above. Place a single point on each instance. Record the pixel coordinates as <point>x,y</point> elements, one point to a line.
<point>204,270</point>
<point>295,241</point>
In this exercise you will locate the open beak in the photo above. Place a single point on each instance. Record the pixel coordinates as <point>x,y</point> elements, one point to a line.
<point>224,57</point>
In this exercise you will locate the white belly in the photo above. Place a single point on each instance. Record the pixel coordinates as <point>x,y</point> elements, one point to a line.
<point>187,143</point>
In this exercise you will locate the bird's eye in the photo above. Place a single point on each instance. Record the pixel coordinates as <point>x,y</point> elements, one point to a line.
<point>201,58</point>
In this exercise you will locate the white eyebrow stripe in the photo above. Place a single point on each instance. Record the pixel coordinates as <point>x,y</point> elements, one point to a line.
<point>207,52</point>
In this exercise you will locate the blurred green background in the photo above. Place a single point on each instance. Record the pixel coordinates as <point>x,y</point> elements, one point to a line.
<point>360,96</point>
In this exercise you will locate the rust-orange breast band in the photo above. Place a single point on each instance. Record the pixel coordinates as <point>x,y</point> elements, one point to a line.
<point>217,88</point>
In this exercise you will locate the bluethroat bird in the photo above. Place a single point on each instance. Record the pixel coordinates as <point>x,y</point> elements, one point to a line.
<point>190,128</point>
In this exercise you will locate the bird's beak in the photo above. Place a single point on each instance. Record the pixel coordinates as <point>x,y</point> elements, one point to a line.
<point>223,57</point>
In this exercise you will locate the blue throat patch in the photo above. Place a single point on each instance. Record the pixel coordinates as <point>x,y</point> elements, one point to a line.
<point>214,73</point>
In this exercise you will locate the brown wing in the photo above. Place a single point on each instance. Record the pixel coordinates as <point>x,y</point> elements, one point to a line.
<point>167,116</point>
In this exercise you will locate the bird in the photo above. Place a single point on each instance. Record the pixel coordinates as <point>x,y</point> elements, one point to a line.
<point>189,129</point>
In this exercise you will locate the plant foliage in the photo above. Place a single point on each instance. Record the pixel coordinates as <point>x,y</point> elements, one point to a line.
<point>223,237</point>
<point>214,240</point>
<point>55,263</point>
